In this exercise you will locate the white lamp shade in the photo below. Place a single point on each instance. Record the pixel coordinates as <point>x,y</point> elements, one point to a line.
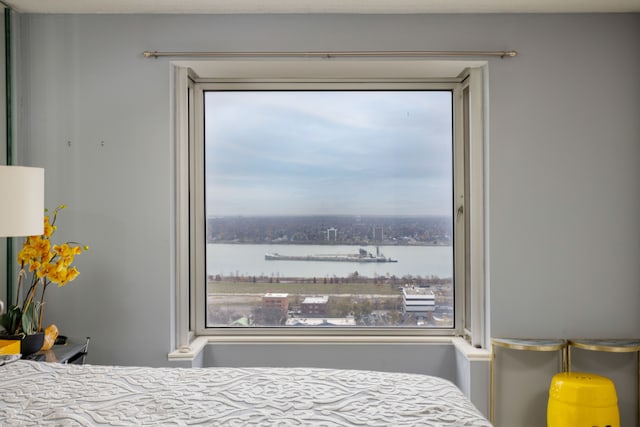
<point>21,201</point>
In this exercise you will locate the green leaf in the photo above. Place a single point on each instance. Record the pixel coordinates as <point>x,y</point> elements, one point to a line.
<point>10,320</point>
<point>30,318</point>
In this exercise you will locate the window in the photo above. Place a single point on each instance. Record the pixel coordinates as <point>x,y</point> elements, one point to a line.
<point>328,206</point>
<point>339,197</point>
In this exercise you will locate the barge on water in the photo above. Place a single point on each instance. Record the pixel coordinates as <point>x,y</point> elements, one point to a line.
<point>361,256</point>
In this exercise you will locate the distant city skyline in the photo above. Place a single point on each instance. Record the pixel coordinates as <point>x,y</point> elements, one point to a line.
<point>343,229</point>
<point>328,153</point>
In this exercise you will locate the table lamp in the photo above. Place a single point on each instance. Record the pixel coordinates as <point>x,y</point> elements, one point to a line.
<point>21,201</point>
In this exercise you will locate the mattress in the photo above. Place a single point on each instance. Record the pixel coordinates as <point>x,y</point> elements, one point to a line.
<point>44,394</point>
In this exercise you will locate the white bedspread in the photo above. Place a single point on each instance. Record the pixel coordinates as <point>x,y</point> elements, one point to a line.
<point>33,393</point>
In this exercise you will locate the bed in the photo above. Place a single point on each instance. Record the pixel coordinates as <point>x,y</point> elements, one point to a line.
<point>51,394</point>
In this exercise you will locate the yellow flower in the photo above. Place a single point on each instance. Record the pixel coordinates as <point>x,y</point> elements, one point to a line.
<point>27,252</point>
<point>46,264</point>
<point>72,273</point>
<point>65,275</point>
<point>43,248</point>
<point>48,228</point>
<point>47,270</point>
<point>67,253</point>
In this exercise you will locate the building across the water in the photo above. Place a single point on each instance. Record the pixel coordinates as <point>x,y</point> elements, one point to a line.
<point>332,234</point>
<point>378,233</point>
<point>418,301</point>
<point>278,301</point>
<point>315,306</point>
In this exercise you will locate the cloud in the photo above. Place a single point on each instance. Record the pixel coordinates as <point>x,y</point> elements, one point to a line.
<point>328,152</point>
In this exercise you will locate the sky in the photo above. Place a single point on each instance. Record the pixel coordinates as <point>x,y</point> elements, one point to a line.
<point>328,153</point>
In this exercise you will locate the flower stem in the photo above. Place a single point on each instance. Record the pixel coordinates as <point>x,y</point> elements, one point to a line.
<point>20,275</point>
<point>44,288</point>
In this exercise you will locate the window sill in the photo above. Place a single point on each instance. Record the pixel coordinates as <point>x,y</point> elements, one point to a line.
<point>192,351</point>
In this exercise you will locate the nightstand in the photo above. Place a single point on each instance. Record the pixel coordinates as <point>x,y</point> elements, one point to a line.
<point>611,346</point>
<point>557,345</point>
<point>73,351</point>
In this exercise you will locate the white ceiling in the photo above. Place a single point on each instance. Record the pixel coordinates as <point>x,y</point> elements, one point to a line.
<point>322,6</point>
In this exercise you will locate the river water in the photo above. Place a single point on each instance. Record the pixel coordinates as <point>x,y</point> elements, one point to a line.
<point>248,260</point>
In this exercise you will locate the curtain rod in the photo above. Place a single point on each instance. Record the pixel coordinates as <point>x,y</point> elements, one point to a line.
<point>328,55</point>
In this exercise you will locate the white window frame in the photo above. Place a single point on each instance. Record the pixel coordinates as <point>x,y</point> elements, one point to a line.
<point>470,207</point>
<point>469,271</point>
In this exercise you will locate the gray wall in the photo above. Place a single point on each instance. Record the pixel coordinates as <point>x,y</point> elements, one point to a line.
<point>430,359</point>
<point>563,169</point>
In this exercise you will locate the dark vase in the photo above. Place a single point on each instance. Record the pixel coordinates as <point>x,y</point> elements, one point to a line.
<point>32,343</point>
<point>29,344</point>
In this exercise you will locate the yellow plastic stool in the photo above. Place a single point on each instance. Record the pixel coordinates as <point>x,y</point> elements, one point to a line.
<point>578,399</point>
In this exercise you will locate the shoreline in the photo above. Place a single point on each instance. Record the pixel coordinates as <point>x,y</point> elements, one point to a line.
<point>325,243</point>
